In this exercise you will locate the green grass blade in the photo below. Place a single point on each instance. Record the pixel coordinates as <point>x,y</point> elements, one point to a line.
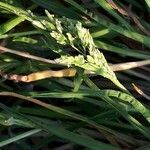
<point>57,7</point>
<point>7,26</point>
<point>122,51</point>
<point>130,34</point>
<point>117,106</point>
<point>63,133</point>
<point>148,3</point>
<point>34,32</point>
<point>134,102</point>
<point>19,137</point>
<point>111,11</point>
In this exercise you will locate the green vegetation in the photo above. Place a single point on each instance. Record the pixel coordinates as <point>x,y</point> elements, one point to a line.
<point>58,85</point>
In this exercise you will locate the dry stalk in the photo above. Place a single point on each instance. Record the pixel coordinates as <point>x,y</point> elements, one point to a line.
<point>138,90</point>
<point>70,72</point>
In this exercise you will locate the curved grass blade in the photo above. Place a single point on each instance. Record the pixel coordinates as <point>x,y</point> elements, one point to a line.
<point>102,95</point>
<point>134,102</point>
<point>110,93</point>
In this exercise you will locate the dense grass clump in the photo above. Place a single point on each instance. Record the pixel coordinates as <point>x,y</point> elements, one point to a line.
<point>74,74</point>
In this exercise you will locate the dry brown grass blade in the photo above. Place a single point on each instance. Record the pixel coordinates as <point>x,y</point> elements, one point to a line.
<point>12,94</point>
<point>70,72</point>
<point>116,7</point>
<point>137,22</point>
<point>129,65</point>
<point>127,12</point>
<point>27,55</point>
<point>138,90</point>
